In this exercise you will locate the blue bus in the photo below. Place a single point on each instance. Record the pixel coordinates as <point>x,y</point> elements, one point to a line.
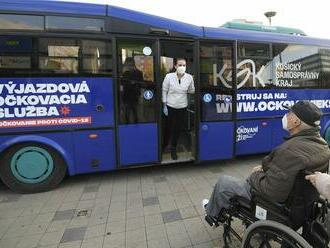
<point>68,104</point>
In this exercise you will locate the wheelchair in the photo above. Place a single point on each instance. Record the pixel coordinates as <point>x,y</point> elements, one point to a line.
<point>272,224</point>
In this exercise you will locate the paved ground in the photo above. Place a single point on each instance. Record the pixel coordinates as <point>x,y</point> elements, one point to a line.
<point>144,207</point>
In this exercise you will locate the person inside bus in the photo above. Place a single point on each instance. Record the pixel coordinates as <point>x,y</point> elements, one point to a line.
<point>304,149</point>
<point>131,80</point>
<point>176,86</point>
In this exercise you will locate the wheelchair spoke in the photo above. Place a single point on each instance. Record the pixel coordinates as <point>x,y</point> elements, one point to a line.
<point>267,245</point>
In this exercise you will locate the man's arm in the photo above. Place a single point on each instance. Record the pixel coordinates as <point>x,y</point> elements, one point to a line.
<point>267,159</point>
<point>277,182</point>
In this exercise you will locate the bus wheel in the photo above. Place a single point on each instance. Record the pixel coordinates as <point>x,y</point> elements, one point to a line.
<point>32,167</point>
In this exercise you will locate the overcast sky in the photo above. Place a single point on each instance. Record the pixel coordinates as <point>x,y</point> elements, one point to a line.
<point>313,17</point>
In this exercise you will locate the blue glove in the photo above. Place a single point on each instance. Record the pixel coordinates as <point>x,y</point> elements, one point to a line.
<point>165,110</point>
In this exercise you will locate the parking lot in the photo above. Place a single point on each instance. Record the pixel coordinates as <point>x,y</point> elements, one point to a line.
<point>143,207</point>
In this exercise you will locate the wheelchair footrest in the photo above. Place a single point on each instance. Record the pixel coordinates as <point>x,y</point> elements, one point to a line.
<point>211,221</point>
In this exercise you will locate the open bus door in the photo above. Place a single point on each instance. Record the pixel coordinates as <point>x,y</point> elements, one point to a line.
<point>217,100</point>
<point>186,147</point>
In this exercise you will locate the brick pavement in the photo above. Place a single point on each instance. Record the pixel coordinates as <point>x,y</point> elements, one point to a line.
<point>144,207</point>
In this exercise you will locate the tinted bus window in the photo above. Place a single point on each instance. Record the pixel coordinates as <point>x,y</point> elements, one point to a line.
<point>73,23</point>
<point>97,57</point>
<point>290,66</point>
<point>23,22</point>
<point>59,55</point>
<point>137,88</point>
<point>216,81</point>
<point>254,66</point>
<point>298,66</point>
<point>15,54</point>
<point>214,59</point>
<point>15,44</point>
<point>254,50</point>
<point>15,62</point>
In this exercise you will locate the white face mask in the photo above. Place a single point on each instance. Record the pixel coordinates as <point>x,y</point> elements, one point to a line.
<point>285,123</point>
<point>181,69</point>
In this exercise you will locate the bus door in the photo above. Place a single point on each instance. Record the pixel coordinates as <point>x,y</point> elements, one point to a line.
<point>138,109</point>
<point>185,149</point>
<point>217,101</point>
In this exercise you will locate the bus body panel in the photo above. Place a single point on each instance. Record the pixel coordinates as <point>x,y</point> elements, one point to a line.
<point>138,143</point>
<point>216,140</point>
<point>61,142</point>
<point>28,104</point>
<point>278,133</point>
<point>94,151</point>
<point>263,103</point>
<point>83,151</point>
<point>253,136</point>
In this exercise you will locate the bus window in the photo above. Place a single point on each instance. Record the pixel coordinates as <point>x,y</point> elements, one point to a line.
<point>172,50</point>
<point>15,62</point>
<point>16,54</point>
<point>97,57</point>
<point>136,82</point>
<point>74,23</point>
<point>253,50</point>
<point>216,81</point>
<point>59,55</point>
<point>21,22</point>
<point>254,66</point>
<point>300,66</point>
<point>214,59</point>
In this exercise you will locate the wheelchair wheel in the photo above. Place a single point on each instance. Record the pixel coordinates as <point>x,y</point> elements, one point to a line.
<point>269,234</point>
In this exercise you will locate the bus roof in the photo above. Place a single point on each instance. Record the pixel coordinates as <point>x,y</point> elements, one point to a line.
<point>53,7</point>
<point>225,33</point>
<point>155,21</point>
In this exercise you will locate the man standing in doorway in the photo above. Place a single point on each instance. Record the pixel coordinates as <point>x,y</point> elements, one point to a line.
<point>176,86</point>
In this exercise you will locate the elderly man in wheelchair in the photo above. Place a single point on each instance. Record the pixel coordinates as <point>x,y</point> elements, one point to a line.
<point>277,190</point>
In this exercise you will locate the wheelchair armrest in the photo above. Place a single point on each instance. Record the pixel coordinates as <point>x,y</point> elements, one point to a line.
<point>240,201</point>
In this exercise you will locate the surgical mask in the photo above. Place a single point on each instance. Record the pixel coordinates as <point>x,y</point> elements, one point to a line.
<point>181,69</point>
<point>285,123</point>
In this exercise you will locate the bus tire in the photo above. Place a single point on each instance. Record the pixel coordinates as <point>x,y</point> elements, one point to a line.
<point>32,167</point>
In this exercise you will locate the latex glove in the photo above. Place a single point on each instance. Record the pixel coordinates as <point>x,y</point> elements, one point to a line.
<point>165,110</point>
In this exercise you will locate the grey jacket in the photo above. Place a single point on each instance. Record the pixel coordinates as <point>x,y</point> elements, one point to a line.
<point>306,150</point>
